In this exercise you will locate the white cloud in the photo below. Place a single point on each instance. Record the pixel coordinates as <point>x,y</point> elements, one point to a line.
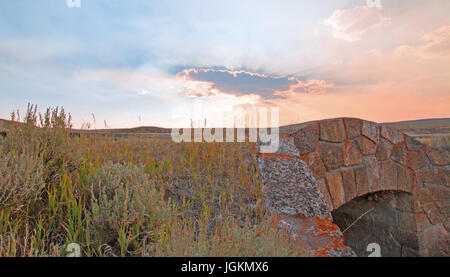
<point>143,92</point>
<point>144,82</point>
<point>352,24</point>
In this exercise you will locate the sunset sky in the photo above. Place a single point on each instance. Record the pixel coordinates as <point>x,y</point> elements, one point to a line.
<point>146,62</point>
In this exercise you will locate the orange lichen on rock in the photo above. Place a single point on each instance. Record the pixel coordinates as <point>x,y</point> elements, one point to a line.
<point>277,156</point>
<point>325,235</point>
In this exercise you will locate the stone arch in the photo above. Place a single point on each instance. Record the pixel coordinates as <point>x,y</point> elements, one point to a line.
<point>323,165</point>
<point>383,217</point>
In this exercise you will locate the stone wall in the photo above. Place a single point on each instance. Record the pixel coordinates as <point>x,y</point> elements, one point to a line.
<point>323,165</point>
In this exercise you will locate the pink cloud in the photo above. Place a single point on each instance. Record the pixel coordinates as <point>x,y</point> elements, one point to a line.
<point>351,24</point>
<point>313,86</point>
<point>433,45</point>
<point>381,105</point>
<point>438,42</point>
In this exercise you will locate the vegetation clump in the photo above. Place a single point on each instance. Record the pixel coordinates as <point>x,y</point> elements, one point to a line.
<point>20,179</point>
<point>130,196</point>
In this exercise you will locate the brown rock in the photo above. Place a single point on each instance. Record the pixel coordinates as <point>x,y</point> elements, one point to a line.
<point>436,240</point>
<point>416,184</point>
<point>444,209</point>
<point>407,221</point>
<point>353,127</point>
<point>316,165</point>
<point>391,135</point>
<point>406,238</point>
<point>286,146</point>
<point>408,252</point>
<point>352,153</point>
<point>439,193</point>
<point>368,147</point>
<point>404,202</point>
<point>332,155</point>
<point>438,157</point>
<point>408,203</point>
<point>373,173</point>
<point>332,130</point>
<point>431,210</point>
<point>388,176</point>
<point>348,181</point>
<point>399,154</point>
<point>424,195</point>
<point>434,175</point>
<point>416,160</point>
<point>403,179</point>
<point>447,225</point>
<point>361,180</point>
<point>370,130</point>
<point>384,150</point>
<point>326,193</point>
<point>334,181</point>
<point>422,221</point>
<point>412,144</point>
<point>306,138</point>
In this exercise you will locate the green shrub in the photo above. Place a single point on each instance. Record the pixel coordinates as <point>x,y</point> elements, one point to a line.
<point>59,153</point>
<point>20,179</point>
<point>121,196</point>
<point>116,209</point>
<point>47,137</point>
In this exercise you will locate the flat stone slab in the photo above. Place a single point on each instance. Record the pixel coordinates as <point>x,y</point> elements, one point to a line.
<point>289,188</point>
<point>320,234</point>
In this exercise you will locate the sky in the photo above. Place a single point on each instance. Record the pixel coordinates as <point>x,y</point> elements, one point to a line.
<point>126,63</point>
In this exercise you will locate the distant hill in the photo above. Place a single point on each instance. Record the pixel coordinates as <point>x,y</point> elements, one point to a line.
<point>8,124</point>
<point>136,130</point>
<point>433,126</point>
<point>431,121</point>
<point>413,127</point>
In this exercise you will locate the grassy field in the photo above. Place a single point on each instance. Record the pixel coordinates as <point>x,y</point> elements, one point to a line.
<point>130,196</point>
<point>423,126</point>
<point>138,195</point>
<point>435,132</point>
<point>441,141</point>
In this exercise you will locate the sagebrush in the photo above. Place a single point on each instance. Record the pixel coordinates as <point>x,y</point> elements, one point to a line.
<point>130,196</point>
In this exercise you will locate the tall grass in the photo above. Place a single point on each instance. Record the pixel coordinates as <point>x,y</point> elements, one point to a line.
<point>135,196</point>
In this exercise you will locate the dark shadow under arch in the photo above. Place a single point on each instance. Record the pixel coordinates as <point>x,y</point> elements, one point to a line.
<point>388,221</point>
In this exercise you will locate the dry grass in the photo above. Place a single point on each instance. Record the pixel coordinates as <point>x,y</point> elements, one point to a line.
<point>21,179</point>
<point>437,141</point>
<point>442,128</point>
<point>135,196</point>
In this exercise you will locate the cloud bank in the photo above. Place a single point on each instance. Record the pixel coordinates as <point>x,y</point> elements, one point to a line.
<point>240,83</point>
<point>352,24</point>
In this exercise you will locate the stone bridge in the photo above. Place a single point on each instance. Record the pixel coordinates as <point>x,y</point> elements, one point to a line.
<point>356,182</point>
